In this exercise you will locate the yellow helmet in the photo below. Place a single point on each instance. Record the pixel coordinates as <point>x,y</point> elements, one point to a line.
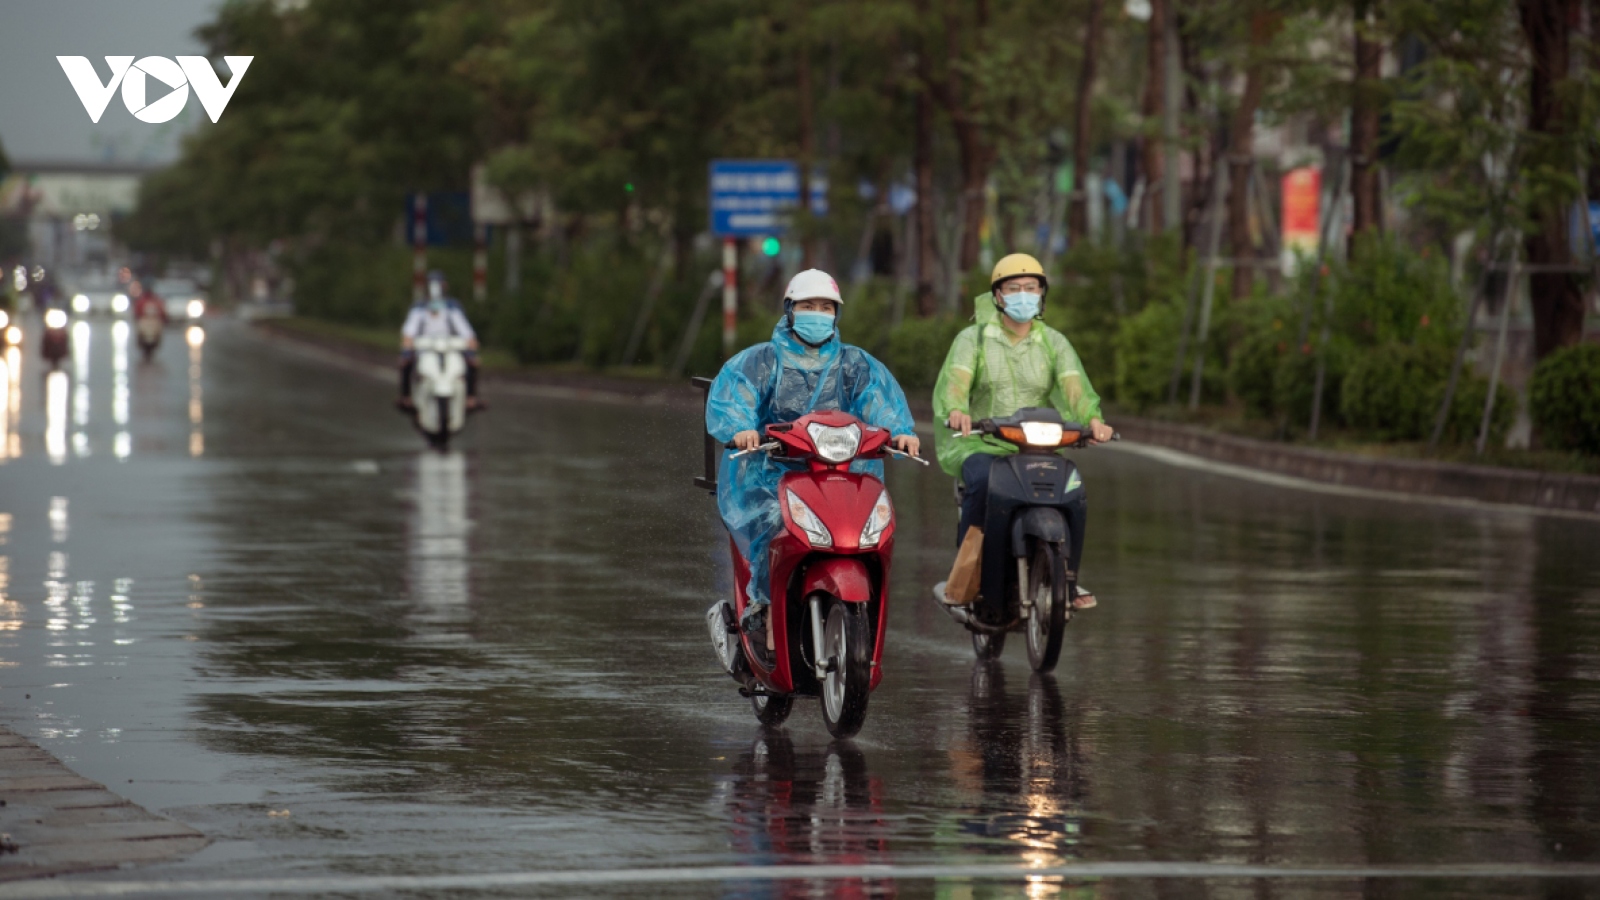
<point>1014,265</point>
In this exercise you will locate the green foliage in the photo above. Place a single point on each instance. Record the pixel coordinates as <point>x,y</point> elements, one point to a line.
<point>1394,392</point>
<point>1564,399</point>
<point>1390,293</point>
<point>350,282</point>
<point>1267,332</point>
<point>918,347</point>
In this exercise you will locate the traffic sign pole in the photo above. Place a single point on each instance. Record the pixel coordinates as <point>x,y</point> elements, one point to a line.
<point>419,247</point>
<point>730,294</point>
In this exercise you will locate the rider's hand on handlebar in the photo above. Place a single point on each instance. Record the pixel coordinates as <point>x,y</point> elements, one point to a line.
<point>1100,432</point>
<point>961,422</point>
<point>747,440</point>
<point>908,444</point>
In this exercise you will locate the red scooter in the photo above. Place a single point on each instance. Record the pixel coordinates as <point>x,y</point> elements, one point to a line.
<point>829,576</point>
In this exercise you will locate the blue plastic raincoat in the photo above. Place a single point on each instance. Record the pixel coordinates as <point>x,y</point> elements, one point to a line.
<point>780,381</point>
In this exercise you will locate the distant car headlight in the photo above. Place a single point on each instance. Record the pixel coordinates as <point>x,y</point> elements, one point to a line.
<point>4,319</point>
<point>13,335</point>
<point>55,318</point>
<point>119,303</point>
<point>196,308</point>
<point>80,303</point>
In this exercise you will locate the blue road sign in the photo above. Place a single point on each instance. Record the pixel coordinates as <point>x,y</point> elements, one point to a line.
<point>752,197</point>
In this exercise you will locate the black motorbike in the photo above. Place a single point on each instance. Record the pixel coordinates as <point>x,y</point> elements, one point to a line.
<point>53,345</point>
<point>1032,538</point>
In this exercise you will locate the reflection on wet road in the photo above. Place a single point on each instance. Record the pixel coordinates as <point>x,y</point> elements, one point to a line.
<point>234,588</point>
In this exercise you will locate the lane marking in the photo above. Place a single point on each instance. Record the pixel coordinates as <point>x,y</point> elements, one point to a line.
<point>54,889</point>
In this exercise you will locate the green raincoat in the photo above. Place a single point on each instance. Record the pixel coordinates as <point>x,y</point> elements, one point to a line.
<point>989,373</point>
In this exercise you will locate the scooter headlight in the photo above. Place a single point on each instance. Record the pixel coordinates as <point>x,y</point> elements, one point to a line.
<point>13,335</point>
<point>1042,434</point>
<point>119,303</point>
<point>836,445</point>
<point>80,303</point>
<point>4,320</point>
<point>55,318</point>
<point>802,515</point>
<point>196,308</point>
<point>882,515</point>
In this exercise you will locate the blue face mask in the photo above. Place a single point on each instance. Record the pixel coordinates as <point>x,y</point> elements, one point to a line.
<point>813,327</point>
<point>436,306</point>
<point>1022,307</point>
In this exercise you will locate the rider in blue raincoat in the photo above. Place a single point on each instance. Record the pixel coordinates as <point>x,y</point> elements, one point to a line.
<point>805,367</point>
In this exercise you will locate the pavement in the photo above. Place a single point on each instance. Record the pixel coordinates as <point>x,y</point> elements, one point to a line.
<point>239,592</point>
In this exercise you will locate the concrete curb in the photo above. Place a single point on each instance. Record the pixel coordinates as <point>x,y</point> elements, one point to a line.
<point>1484,484</point>
<point>56,822</point>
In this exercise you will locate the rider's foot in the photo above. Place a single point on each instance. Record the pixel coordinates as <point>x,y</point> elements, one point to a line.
<point>756,624</point>
<point>404,404</point>
<point>476,405</point>
<point>1084,599</point>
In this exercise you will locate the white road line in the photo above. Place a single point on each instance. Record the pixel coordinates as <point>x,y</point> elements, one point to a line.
<point>50,890</point>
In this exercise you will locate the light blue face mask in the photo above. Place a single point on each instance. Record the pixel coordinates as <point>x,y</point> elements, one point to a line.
<point>436,306</point>
<point>1021,307</point>
<point>813,327</point>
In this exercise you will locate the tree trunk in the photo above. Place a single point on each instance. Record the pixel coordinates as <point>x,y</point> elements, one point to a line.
<point>1557,298</point>
<point>1082,141</point>
<point>973,150</point>
<point>1241,152</point>
<point>927,246</point>
<point>808,148</point>
<point>1154,101</point>
<point>1364,104</point>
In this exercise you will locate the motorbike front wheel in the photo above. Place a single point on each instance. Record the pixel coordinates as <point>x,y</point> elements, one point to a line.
<point>1047,587</point>
<point>847,646</point>
<point>441,438</point>
<point>988,646</point>
<point>770,708</point>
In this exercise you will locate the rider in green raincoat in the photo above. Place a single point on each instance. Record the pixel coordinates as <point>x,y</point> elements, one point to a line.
<point>1009,360</point>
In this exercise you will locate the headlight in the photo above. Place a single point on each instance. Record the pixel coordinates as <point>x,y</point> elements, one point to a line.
<point>807,520</point>
<point>80,303</point>
<point>119,303</point>
<point>13,335</point>
<point>197,308</point>
<point>836,445</point>
<point>1042,434</point>
<point>55,318</point>
<point>4,319</point>
<point>882,515</point>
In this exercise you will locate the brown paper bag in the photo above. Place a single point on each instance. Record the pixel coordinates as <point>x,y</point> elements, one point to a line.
<point>962,588</point>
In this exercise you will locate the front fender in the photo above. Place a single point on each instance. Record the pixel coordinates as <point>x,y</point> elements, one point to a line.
<point>844,577</point>
<point>1043,522</point>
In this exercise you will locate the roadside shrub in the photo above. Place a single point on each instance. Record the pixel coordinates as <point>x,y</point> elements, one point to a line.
<point>1294,384</point>
<point>1564,399</point>
<point>1146,345</point>
<point>1394,391</point>
<point>1267,332</point>
<point>918,348</point>
<point>1388,293</point>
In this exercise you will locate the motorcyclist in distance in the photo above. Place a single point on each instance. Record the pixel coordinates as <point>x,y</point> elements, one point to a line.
<point>438,315</point>
<point>146,302</point>
<point>804,368</point>
<point>1009,360</point>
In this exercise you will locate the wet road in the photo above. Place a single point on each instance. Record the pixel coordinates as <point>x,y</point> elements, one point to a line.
<point>235,589</point>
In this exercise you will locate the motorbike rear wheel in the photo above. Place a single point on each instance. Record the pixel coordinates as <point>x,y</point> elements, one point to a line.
<point>771,709</point>
<point>847,646</point>
<point>1047,586</point>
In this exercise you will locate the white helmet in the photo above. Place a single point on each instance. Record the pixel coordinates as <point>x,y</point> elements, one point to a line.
<point>813,284</point>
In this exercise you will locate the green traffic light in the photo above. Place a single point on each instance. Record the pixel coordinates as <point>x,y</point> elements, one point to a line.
<point>770,246</point>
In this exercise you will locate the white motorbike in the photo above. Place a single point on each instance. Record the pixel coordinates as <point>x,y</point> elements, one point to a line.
<point>149,329</point>
<point>439,388</point>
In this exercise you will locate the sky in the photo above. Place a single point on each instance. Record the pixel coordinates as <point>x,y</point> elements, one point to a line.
<point>41,117</point>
